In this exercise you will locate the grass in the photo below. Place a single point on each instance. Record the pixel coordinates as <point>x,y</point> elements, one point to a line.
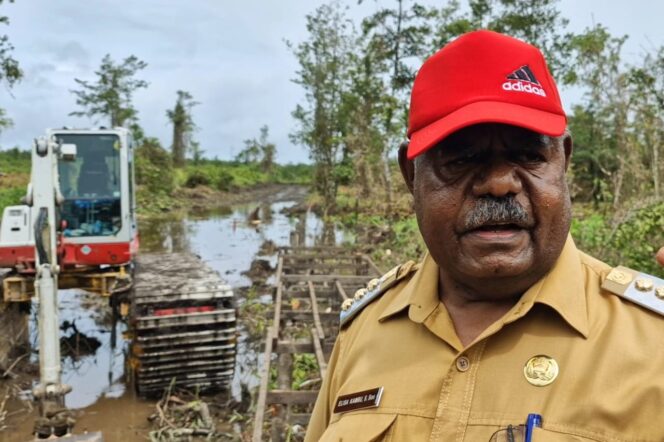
<point>229,175</point>
<point>14,176</point>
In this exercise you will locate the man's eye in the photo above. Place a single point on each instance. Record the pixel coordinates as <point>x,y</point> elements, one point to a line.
<point>530,157</point>
<point>461,160</point>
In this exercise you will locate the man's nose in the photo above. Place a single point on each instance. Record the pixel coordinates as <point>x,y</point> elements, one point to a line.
<point>498,178</point>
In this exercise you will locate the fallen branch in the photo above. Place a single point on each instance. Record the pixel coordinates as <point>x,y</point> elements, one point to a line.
<point>8,372</point>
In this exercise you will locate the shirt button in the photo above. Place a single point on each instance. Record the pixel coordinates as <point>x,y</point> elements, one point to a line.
<point>462,363</point>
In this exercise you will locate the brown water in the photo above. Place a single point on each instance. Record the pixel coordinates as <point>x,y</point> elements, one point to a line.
<point>226,242</point>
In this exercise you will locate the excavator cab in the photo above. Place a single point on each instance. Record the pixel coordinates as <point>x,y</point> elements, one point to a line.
<point>91,185</point>
<point>95,215</point>
<point>99,208</point>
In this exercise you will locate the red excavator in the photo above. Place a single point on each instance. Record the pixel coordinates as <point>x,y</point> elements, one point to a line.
<point>76,228</point>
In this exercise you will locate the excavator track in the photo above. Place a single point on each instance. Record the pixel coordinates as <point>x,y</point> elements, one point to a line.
<point>183,324</point>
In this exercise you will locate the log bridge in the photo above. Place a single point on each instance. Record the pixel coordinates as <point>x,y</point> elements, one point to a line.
<point>310,285</point>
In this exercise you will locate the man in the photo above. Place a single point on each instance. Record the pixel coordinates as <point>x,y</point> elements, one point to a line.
<point>504,318</point>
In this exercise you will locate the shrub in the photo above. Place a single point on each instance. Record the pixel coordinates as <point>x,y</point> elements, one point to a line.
<point>196,178</point>
<point>632,242</point>
<point>154,168</point>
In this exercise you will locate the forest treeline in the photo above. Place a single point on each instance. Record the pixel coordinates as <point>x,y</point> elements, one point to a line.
<point>357,77</point>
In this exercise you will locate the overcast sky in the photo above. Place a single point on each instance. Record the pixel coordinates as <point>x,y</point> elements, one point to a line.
<point>230,55</point>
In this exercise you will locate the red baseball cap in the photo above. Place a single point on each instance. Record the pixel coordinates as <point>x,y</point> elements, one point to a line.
<point>482,77</point>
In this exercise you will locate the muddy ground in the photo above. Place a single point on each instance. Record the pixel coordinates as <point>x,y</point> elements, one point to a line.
<point>204,198</point>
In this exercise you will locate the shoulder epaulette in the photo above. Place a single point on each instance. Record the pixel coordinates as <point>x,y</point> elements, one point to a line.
<point>639,288</point>
<point>375,288</point>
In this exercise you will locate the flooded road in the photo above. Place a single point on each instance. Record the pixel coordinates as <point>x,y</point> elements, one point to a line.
<point>228,239</point>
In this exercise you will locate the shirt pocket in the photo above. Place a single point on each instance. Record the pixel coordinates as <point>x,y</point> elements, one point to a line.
<point>360,427</point>
<point>541,435</point>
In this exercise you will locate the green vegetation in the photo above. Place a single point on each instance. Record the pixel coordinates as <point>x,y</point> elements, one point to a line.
<point>160,184</point>
<point>357,76</point>
<point>15,161</point>
<point>110,96</point>
<point>183,127</point>
<point>10,196</point>
<point>631,241</point>
<point>14,176</point>
<point>229,175</point>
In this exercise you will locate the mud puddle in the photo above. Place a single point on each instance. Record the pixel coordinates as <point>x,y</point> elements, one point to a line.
<point>239,242</point>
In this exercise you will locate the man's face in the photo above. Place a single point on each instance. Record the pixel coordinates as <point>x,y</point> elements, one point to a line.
<point>493,206</point>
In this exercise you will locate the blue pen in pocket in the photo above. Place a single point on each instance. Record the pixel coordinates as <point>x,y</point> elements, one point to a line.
<point>533,420</point>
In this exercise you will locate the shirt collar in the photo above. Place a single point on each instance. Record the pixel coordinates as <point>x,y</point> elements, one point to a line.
<point>562,289</point>
<point>420,293</point>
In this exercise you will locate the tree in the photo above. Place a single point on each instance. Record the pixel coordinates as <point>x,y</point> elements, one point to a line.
<point>364,109</point>
<point>250,153</point>
<point>396,35</point>
<point>10,72</point>
<point>601,124</point>
<point>619,128</point>
<point>196,152</point>
<point>323,73</point>
<point>537,22</point>
<point>647,83</point>
<point>183,126</point>
<point>111,95</point>
<point>5,121</point>
<point>259,151</point>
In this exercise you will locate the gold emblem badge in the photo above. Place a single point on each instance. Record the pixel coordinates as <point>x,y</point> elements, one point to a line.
<point>619,276</point>
<point>541,370</point>
<point>659,292</point>
<point>360,294</point>
<point>643,284</point>
<point>346,304</point>
<point>373,284</point>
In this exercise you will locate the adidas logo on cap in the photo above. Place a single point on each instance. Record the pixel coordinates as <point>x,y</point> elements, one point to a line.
<point>524,81</point>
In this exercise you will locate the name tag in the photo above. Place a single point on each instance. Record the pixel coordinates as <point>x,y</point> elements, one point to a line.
<point>357,401</point>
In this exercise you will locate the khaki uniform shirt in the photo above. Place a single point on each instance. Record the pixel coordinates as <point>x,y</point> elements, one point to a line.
<point>610,355</point>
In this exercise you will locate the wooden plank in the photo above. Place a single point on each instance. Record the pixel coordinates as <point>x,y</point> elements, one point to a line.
<point>329,292</point>
<point>291,397</point>
<point>372,265</point>
<point>341,290</point>
<point>305,316</point>
<point>300,347</point>
<point>262,391</point>
<point>314,249</point>
<point>314,311</point>
<point>359,279</point>
<point>322,364</point>
<point>277,302</point>
<point>291,260</point>
<point>328,268</point>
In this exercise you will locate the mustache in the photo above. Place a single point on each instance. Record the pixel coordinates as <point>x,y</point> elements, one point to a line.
<point>491,210</point>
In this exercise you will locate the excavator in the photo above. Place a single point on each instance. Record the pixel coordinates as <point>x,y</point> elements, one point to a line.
<point>77,228</point>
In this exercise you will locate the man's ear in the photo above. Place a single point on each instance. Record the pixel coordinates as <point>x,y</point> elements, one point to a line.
<point>407,166</point>
<point>568,147</point>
